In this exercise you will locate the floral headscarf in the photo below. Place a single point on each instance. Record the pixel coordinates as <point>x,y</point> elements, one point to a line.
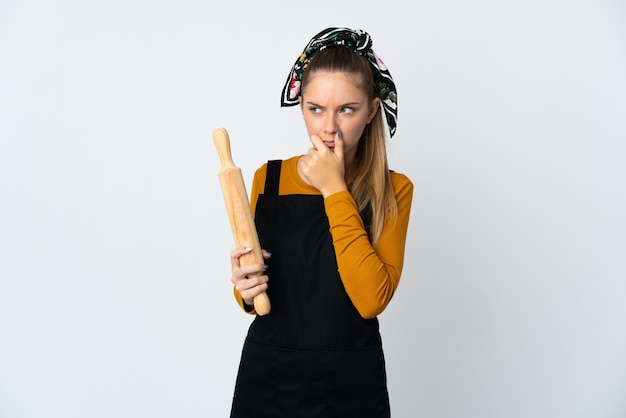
<point>359,42</point>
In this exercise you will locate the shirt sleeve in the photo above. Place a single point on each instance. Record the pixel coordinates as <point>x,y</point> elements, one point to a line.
<point>370,275</point>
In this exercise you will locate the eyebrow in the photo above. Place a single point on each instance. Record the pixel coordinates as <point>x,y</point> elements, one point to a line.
<point>311,103</point>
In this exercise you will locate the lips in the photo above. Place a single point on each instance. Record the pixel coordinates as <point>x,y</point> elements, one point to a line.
<point>330,144</point>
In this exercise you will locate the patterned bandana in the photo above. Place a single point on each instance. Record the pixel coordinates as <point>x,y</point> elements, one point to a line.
<point>361,43</point>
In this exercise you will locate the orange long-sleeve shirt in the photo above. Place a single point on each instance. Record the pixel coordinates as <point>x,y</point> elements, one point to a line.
<point>370,275</point>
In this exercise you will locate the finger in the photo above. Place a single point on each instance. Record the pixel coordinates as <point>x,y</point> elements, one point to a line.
<point>266,254</point>
<point>317,142</point>
<point>250,293</point>
<point>252,287</point>
<point>236,254</point>
<point>339,145</point>
<point>252,270</point>
<point>251,282</point>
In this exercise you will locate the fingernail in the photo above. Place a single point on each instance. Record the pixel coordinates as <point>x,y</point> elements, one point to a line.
<point>267,252</point>
<point>339,133</point>
<point>246,248</point>
<point>265,266</point>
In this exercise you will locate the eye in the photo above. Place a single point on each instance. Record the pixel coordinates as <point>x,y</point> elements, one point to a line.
<point>315,109</point>
<point>346,109</point>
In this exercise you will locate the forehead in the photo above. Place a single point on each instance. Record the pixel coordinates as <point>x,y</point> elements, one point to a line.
<point>333,85</point>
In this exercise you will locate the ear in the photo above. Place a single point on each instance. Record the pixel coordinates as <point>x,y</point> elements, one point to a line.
<point>373,109</point>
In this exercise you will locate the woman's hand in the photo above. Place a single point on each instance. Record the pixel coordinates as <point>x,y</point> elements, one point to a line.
<point>249,280</point>
<point>324,167</point>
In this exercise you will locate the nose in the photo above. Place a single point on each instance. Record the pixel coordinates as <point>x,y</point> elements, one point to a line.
<point>331,125</point>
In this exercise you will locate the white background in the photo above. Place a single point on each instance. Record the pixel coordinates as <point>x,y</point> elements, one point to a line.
<point>115,298</point>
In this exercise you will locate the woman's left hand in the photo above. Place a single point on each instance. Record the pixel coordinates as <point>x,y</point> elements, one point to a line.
<point>324,167</point>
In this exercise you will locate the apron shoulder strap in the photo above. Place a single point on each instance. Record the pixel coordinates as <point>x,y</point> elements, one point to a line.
<point>272,177</point>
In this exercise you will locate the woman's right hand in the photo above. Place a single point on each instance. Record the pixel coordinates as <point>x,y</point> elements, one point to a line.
<point>249,280</point>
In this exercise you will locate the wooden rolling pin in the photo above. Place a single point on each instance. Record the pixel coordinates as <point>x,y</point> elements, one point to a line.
<point>239,213</point>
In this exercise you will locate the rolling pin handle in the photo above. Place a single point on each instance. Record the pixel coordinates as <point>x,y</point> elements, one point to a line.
<point>222,144</point>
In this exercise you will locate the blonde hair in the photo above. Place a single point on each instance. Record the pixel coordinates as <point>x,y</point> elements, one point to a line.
<point>371,184</point>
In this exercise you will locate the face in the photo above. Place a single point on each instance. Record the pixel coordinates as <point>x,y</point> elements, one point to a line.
<point>331,102</point>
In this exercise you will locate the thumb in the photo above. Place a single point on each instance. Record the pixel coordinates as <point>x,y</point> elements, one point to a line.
<point>339,145</point>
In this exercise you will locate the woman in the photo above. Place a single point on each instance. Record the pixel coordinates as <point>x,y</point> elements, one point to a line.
<point>335,220</point>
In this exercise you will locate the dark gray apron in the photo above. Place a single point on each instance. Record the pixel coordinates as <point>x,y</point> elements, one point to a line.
<point>313,355</point>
